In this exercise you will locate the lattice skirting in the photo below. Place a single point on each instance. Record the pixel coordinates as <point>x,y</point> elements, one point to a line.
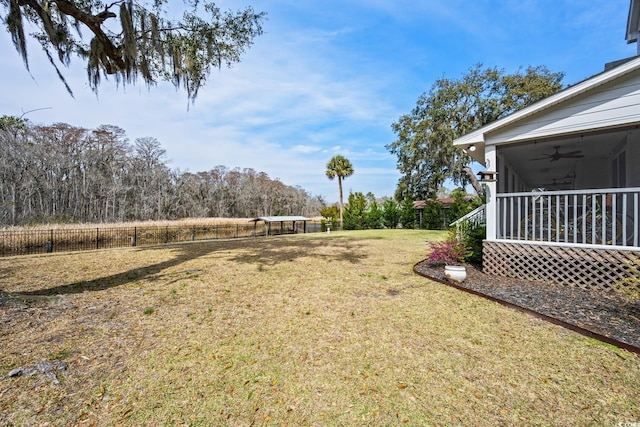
<point>580,267</point>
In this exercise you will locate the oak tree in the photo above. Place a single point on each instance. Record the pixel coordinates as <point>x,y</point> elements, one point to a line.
<point>131,40</point>
<point>452,108</point>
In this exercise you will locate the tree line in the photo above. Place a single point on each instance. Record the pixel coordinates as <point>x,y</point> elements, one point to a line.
<point>63,173</point>
<point>365,211</point>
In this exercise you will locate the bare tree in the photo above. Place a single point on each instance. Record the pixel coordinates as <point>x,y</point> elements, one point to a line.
<point>66,173</point>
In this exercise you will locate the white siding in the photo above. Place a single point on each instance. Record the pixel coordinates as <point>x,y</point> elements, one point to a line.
<point>607,106</point>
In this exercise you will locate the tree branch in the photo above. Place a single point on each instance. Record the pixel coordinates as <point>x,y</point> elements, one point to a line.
<point>474,181</point>
<point>94,22</point>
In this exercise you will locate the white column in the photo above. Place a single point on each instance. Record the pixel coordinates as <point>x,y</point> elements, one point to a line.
<point>490,191</point>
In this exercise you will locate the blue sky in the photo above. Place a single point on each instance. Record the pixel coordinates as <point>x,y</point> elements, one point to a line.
<point>326,78</point>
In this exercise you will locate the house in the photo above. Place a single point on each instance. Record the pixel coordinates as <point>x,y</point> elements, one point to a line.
<point>563,203</point>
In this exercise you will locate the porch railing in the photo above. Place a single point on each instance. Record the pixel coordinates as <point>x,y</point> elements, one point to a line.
<point>586,217</point>
<point>476,217</point>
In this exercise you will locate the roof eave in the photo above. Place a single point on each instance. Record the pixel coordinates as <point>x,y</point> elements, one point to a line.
<point>478,136</point>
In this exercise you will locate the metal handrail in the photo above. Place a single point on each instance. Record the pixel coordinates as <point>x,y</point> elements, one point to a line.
<point>476,217</point>
<point>479,212</point>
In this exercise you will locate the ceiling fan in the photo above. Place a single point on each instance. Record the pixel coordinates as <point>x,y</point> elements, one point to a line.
<point>556,183</point>
<point>557,155</point>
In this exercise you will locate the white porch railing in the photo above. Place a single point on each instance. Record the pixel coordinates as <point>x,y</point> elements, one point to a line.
<point>586,217</point>
<point>476,217</point>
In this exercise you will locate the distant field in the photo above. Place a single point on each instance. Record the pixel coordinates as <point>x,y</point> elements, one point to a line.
<point>186,221</point>
<point>297,330</point>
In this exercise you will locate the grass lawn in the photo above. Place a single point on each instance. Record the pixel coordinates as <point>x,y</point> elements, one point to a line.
<point>302,330</point>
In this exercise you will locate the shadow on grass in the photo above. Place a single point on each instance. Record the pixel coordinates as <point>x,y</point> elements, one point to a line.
<point>266,251</point>
<point>272,251</point>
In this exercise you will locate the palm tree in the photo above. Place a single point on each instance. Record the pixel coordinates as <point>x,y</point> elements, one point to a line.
<point>341,167</point>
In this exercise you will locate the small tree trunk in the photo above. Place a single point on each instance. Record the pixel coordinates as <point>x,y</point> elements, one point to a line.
<point>341,204</point>
<point>474,181</point>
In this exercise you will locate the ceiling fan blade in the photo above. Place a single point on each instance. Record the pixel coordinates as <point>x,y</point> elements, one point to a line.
<point>565,156</point>
<point>557,155</point>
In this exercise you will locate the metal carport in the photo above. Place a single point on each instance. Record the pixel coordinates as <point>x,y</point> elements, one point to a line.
<point>283,220</point>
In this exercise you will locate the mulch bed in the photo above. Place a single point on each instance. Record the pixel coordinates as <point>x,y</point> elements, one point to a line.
<point>602,313</point>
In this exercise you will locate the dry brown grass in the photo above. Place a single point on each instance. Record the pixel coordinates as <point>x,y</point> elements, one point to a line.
<point>293,330</point>
<point>163,223</point>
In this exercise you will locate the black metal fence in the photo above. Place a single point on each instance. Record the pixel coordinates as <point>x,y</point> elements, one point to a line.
<point>26,242</point>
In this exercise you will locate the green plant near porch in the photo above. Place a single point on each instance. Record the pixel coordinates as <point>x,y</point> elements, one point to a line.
<point>629,287</point>
<point>473,237</point>
<point>457,249</point>
<point>449,252</point>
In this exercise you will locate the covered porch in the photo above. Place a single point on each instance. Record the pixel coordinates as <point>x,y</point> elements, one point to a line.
<point>565,202</point>
<point>606,218</point>
<point>583,238</point>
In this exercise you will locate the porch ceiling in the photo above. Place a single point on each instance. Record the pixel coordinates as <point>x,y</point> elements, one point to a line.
<point>540,166</point>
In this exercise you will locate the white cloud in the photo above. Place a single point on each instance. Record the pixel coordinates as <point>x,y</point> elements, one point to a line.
<point>306,149</point>
<point>324,79</point>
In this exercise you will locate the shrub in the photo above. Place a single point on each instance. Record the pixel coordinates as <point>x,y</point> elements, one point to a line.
<point>447,253</point>
<point>354,215</point>
<point>373,216</point>
<point>629,287</point>
<point>473,238</point>
<point>408,216</point>
<point>433,215</point>
<point>390,213</point>
<point>331,218</point>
